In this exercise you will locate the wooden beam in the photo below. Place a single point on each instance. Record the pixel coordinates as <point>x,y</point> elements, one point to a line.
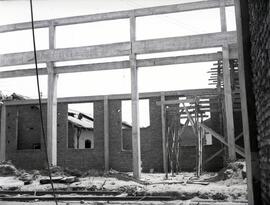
<point>213,156</point>
<point>228,104</point>
<point>213,133</point>
<point>248,108</point>
<point>220,138</point>
<point>121,49</point>
<point>116,15</point>
<point>3,133</point>
<point>164,141</point>
<point>189,118</point>
<point>52,105</point>
<point>239,136</point>
<point>116,65</point>
<point>136,141</point>
<point>197,92</point>
<point>220,151</point>
<point>106,135</point>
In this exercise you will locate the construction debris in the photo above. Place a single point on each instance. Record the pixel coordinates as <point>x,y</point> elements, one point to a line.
<point>62,180</point>
<point>7,169</point>
<point>125,176</point>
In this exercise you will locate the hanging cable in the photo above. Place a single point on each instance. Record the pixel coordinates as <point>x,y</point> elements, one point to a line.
<point>40,105</point>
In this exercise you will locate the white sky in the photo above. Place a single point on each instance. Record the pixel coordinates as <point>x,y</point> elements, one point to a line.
<point>174,77</point>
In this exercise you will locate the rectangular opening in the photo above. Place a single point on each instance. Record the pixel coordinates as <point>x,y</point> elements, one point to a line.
<point>21,41</point>
<point>230,17</point>
<point>144,118</point>
<point>94,33</point>
<point>175,24</point>
<point>81,126</point>
<point>28,127</point>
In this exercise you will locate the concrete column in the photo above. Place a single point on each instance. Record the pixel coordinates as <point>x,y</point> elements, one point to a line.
<point>136,141</point>
<point>106,134</point>
<point>52,105</point>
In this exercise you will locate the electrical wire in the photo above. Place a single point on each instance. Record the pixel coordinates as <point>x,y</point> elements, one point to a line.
<point>40,105</point>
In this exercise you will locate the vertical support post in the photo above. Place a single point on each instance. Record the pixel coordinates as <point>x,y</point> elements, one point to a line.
<point>223,16</point>
<point>227,87</point>
<point>248,103</point>
<point>136,141</point>
<point>200,150</point>
<point>164,141</point>
<point>52,105</point>
<point>106,133</point>
<point>198,146</point>
<point>3,134</point>
<point>228,104</point>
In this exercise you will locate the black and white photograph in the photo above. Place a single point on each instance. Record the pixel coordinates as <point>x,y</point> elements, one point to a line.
<point>155,102</point>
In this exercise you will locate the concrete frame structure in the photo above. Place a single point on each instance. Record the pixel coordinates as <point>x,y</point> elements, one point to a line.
<point>225,39</point>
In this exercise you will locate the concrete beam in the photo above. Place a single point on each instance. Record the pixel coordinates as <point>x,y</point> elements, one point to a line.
<point>194,92</point>
<point>150,62</point>
<point>116,65</point>
<point>117,15</point>
<point>172,102</point>
<point>121,49</point>
<point>66,54</point>
<point>185,42</point>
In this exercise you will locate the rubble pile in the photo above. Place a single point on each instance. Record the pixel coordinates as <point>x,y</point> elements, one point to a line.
<point>8,169</point>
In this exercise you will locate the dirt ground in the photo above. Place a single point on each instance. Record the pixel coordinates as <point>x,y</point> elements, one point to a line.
<point>228,185</point>
<point>128,202</point>
<point>229,190</point>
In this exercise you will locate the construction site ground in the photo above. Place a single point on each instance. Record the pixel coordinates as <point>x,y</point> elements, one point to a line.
<point>228,185</point>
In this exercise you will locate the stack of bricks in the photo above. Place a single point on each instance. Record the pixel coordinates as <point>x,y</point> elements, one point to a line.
<point>259,12</point>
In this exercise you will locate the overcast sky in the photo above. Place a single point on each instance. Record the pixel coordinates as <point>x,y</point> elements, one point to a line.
<point>174,77</point>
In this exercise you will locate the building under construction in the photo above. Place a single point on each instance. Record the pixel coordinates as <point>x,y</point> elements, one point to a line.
<point>189,130</point>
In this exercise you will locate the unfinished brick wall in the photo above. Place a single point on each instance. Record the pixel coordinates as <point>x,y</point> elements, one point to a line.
<point>259,13</point>
<point>81,158</point>
<point>119,159</point>
<point>151,140</point>
<point>23,158</point>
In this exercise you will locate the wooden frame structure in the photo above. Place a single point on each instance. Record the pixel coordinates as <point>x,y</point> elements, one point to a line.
<point>225,39</point>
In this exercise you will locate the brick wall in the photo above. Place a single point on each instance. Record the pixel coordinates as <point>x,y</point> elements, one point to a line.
<point>119,160</point>
<point>259,14</point>
<point>151,142</point>
<point>81,158</point>
<point>24,158</point>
